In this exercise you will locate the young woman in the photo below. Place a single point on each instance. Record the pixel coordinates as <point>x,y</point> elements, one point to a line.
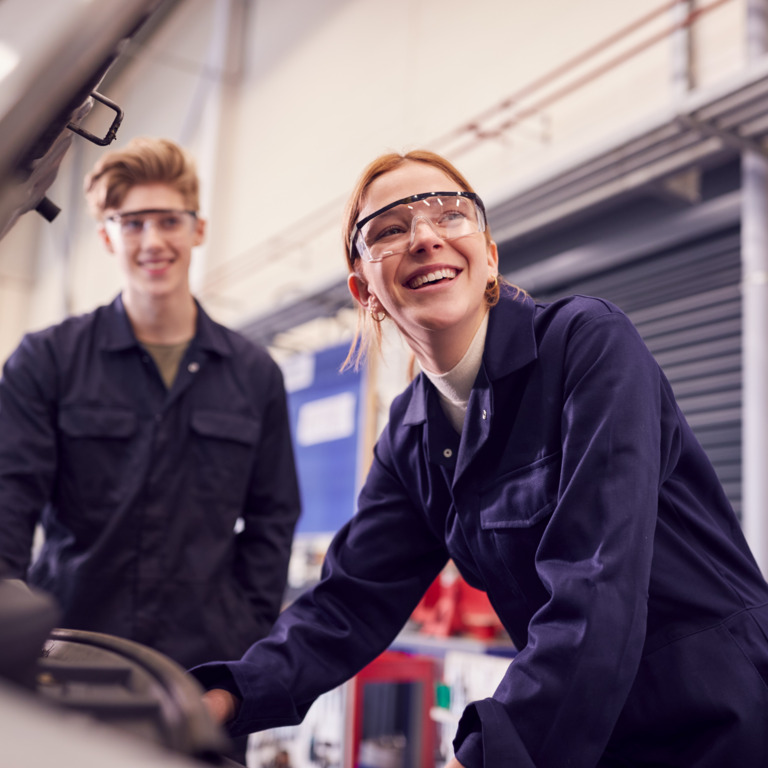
<point>541,448</point>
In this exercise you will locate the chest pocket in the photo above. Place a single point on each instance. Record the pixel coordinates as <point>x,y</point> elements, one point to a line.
<point>522,498</point>
<point>224,450</point>
<point>514,513</point>
<point>94,456</point>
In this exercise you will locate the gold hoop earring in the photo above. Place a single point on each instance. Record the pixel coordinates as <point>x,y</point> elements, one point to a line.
<point>377,314</point>
<point>492,284</point>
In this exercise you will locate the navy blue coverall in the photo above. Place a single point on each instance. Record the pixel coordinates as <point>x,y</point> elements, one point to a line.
<point>579,499</point>
<point>139,487</point>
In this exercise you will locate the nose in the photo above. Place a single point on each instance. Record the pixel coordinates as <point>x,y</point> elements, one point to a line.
<point>150,234</point>
<point>423,234</point>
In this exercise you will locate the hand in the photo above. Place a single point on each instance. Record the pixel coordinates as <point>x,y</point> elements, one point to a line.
<point>221,705</point>
<point>18,584</point>
<point>453,763</point>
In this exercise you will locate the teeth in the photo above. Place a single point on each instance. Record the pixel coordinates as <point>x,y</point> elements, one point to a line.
<point>431,277</point>
<point>154,264</point>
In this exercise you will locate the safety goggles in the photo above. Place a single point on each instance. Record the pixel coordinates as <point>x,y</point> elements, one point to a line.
<point>131,225</point>
<point>391,229</point>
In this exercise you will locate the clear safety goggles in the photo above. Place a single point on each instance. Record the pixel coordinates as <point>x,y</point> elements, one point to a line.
<point>131,225</point>
<point>391,229</point>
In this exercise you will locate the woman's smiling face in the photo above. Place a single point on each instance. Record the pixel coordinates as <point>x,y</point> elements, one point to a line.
<point>434,292</point>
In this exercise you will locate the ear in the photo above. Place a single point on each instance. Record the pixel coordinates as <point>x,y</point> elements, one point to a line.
<point>104,237</point>
<point>200,229</point>
<point>359,290</point>
<point>493,259</point>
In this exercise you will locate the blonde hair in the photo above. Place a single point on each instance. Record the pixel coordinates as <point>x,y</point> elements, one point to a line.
<point>143,160</point>
<point>368,330</point>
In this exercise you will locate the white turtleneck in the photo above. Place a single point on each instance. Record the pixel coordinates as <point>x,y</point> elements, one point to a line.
<point>454,386</point>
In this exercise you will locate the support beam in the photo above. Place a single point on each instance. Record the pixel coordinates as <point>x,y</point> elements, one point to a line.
<point>755,319</point>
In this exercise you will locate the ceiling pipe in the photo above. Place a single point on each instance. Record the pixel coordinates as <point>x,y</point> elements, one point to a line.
<point>318,222</point>
<point>478,134</point>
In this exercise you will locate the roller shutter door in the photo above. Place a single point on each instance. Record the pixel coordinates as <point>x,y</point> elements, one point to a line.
<point>686,303</point>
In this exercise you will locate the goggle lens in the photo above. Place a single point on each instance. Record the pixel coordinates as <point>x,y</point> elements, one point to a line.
<point>390,230</point>
<point>131,225</point>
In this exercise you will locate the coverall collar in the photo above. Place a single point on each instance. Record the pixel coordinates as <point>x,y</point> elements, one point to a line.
<point>118,335</point>
<point>509,346</point>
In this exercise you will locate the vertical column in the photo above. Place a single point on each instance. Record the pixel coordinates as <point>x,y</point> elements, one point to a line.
<point>206,125</point>
<point>682,50</point>
<point>754,224</point>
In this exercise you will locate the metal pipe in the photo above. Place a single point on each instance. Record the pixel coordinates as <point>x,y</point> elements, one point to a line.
<point>219,275</point>
<point>477,134</point>
<point>554,74</point>
<point>755,318</point>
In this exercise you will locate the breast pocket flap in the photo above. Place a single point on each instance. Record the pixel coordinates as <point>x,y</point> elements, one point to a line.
<point>97,422</point>
<point>226,426</point>
<point>521,498</point>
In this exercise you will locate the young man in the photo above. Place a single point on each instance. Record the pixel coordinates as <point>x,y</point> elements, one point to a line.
<point>151,442</point>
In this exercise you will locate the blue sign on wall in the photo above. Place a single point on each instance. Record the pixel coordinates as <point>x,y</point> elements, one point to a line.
<point>325,412</point>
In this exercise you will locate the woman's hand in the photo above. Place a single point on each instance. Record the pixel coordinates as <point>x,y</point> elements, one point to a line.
<point>453,763</point>
<point>221,704</point>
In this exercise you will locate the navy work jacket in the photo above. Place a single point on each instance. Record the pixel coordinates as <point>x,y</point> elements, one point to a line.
<point>139,487</point>
<point>578,498</point>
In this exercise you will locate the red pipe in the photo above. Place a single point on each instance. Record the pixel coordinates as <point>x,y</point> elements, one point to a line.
<point>242,263</point>
<point>479,135</point>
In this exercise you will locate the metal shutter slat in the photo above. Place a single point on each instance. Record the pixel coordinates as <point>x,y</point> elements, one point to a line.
<point>686,304</point>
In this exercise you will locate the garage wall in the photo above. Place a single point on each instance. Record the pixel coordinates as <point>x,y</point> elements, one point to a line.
<point>284,102</point>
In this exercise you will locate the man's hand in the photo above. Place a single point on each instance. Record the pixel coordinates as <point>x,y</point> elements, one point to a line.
<point>453,763</point>
<point>222,705</point>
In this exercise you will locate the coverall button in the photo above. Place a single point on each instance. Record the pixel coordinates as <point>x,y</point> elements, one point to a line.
<point>193,367</point>
<point>447,453</point>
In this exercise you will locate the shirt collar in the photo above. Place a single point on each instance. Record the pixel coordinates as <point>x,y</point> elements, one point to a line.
<point>210,335</point>
<point>510,344</point>
<point>116,333</point>
<point>511,341</point>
